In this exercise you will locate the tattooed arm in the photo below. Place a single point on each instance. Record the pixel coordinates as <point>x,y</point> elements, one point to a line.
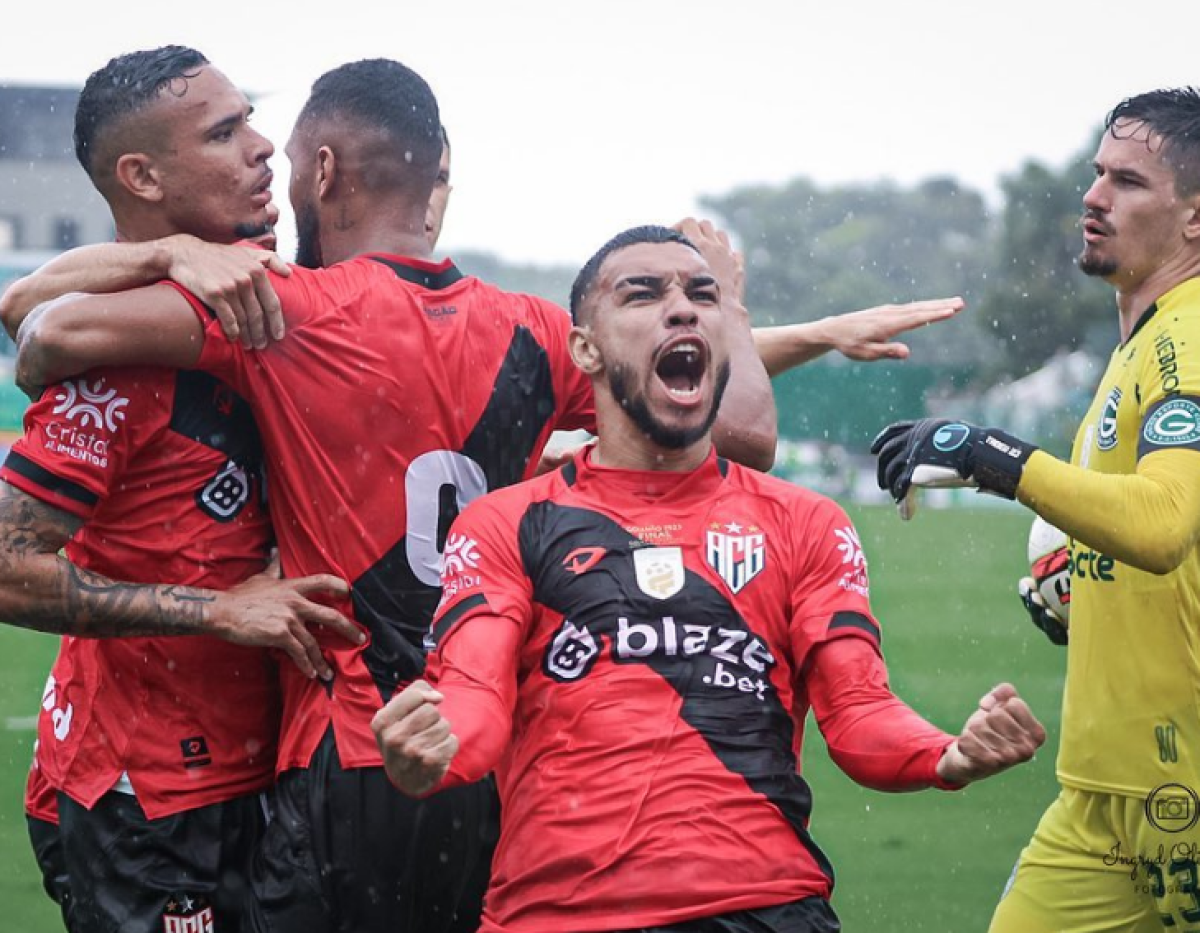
<point>40,589</point>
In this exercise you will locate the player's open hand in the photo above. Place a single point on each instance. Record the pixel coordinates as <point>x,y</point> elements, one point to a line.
<point>233,282</point>
<point>267,612</point>
<point>415,739</point>
<point>870,334</point>
<point>727,264</point>
<point>1003,732</point>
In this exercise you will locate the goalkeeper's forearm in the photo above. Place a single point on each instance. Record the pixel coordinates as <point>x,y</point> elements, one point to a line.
<point>1149,519</point>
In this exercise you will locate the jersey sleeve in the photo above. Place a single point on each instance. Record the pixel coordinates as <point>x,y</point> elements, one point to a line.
<point>872,735</point>
<point>830,592</point>
<point>79,436</point>
<point>300,296</point>
<point>476,636</point>
<point>1149,519</point>
<point>576,409</point>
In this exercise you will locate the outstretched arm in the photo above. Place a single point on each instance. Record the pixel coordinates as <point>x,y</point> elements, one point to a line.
<point>40,589</point>
<point>866,335</point>
<point>1149,519</point>
<point>231,280</point>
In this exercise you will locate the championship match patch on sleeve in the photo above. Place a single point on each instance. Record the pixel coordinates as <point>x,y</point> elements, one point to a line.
<point>1172,422</point>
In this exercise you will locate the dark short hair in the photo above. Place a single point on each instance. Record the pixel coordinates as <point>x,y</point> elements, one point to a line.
<point>385,96</point>
<point>124,86</point>
<point>650,233</point>
<point>1173,114</point>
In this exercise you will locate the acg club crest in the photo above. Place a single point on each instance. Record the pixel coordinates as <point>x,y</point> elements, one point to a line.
<point>659,571</point>
<point>738,555</point>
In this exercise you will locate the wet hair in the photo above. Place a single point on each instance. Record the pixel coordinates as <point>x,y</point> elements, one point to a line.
<point>1174,115</point>
<point>126,85</point>
<point>649,233</point>
<point>401,140</point>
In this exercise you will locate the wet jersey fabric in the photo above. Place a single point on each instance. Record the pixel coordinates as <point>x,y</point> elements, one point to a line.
<point>402,391</point>
<point>164,468</point>
<point>645,637</point>
<point>1131,707</point>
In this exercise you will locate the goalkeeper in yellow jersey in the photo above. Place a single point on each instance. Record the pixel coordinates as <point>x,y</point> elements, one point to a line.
<point>1118,848</point>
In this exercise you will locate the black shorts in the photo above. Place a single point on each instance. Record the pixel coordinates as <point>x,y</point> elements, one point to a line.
<point>180,873</point>
<point>811,915</point>
<point>348,853</point>
<point>47,849</point>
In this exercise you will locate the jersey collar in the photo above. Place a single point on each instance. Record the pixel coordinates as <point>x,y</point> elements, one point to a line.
<point>648,486</point>
<point>431,275</point>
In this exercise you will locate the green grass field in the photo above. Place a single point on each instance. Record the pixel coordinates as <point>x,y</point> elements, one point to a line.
<point>943,587</point>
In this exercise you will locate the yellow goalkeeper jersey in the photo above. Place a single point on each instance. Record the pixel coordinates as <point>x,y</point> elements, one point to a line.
<point>1131,708</point>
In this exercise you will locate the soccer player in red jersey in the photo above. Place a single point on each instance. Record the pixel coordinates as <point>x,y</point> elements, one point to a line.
<point>458,399</point>
<point>153,751</point>
<point>632,643</point>
<point>402,390</point>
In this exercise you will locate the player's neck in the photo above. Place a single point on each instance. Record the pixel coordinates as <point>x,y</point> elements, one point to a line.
<point>353,229</point>
<point>1133,301</point>
<point>627,448</point>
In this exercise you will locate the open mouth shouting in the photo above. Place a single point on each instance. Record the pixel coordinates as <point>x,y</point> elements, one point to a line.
<point>681,366</point>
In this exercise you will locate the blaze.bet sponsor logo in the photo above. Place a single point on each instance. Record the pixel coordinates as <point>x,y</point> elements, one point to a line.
<point>854,576</point>
<point>226,494</point>
<point>730,659</point>
<point>460,566</point>
<point>738,554</point>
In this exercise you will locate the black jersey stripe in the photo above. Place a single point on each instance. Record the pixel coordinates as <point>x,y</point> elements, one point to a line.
<point>593,601</point>
<point>855,620</point>
<point>388,598</point>
<point>446,622</point>
<point>432,280</point>
<point>23,466</point>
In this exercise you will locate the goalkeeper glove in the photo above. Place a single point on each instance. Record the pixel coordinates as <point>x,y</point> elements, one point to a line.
<point>939,453</point>
<point>1042,615</point>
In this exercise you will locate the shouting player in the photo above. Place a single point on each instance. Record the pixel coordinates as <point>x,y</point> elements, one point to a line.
<point>633,641</point>
<point>1117,850</point>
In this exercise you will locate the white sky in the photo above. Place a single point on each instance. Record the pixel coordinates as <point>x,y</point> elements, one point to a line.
<point>570,121</point>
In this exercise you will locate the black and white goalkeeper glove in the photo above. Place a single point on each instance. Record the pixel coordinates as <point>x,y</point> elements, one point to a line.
<point>936,453</point>
<point>1045,618</point>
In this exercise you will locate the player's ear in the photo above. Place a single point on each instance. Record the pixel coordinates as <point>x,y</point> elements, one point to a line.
<point>1191,226</point>
<point>327,169</point>
<point>584,351</point>
<point>137,173</point>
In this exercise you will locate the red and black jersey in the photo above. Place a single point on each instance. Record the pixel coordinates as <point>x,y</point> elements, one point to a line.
<point>648,634</point>
<point>164,467</point>
<point>402,391</point>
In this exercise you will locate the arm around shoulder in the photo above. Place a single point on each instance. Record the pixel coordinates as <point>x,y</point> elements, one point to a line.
<point>152,326</point>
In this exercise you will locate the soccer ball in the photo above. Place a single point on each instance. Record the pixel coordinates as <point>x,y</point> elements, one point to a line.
<point>1049,565</point>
